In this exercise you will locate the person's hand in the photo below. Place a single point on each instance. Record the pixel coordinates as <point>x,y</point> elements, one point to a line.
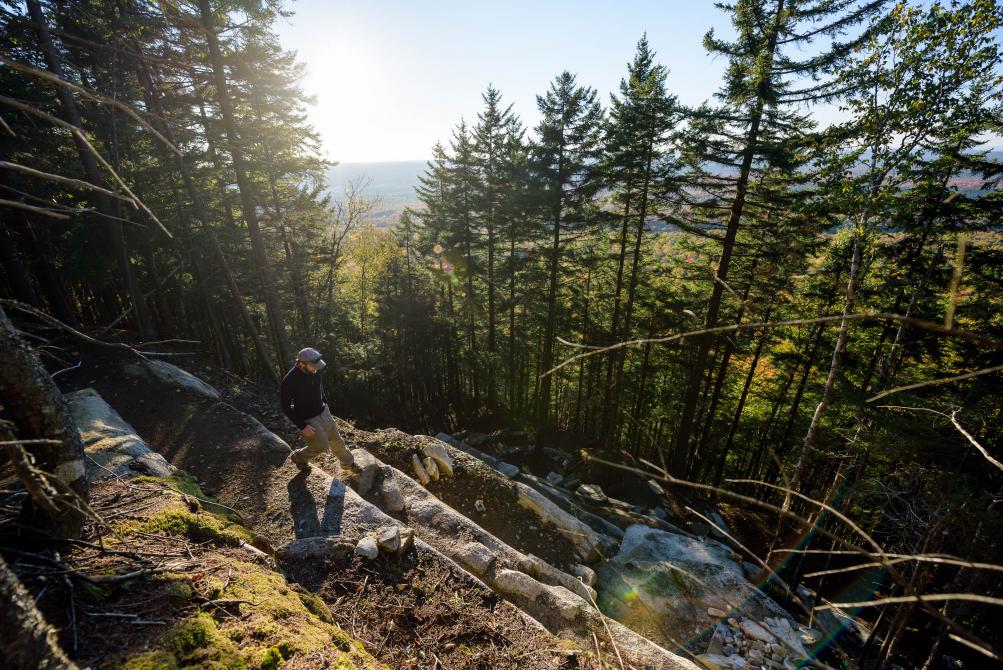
<point>309,431</point>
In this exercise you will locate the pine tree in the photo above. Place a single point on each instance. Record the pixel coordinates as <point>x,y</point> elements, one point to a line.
<point>564,155</point>
<point>759,123</point>
<point>636,169</point>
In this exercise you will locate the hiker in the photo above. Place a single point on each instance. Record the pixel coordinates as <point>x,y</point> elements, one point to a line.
<point>304,402</point>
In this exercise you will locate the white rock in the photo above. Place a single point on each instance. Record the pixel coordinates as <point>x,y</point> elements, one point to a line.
<point>479,506</point>
<point>587,542</point>
<point>171,374</point>
<point>756,631</point>
<point>437,452</point>
<point>431,467</point>
<point>554,478</point>
<point>110,441</point>
<point>389,539</point>
<point>390,490</point>
<point>715,613</point>
<point>585,573</point>
<point>509,470</point>
<point>476,557</point>
<point>719,662</point>
<point>369,468</point>
<point>592,492</point>
<point>419,470</point>
<point>367,548</point>
<point>407,541</point>
<point>517,583</point>
<point>782,629</point>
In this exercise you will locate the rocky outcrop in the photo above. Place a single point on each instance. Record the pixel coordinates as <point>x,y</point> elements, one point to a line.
<point>672,582</point>
<point>112,446</point>
<point>561,602</point>
<point>170,374</point>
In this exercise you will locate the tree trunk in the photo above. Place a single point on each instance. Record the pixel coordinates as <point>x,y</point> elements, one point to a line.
<point>686,425</point>
<point>103,203</point>
<point>614,328</point>
<point>547,357</point>
<point>247,199</point>
<point>39,412</point>
<point>837,357</point>
<point>27,641</point>
<point>202,214</point>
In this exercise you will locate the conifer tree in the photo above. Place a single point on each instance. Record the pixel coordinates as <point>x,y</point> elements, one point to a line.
<point>759,124</point>
<point>564,151</point>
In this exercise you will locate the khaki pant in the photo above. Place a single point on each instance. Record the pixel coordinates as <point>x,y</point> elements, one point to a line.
<point>326,438</point>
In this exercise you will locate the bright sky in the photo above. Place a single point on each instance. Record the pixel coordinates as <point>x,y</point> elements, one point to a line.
<point>392,77</point>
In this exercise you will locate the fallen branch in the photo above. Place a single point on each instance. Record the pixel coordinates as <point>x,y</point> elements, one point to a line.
<point>80,135</point>
<point>93,95</point>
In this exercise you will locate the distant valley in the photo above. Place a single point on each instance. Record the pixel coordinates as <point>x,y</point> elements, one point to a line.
<point>392,183</point>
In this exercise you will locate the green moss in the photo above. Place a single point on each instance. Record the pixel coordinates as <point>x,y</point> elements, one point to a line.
<point>154,660</point>
<point>176,586</point>
<point>180,481</point>
<point>314,604</point>
<point>197,641</point>
<point>272,659</point>
<point>177,521</point>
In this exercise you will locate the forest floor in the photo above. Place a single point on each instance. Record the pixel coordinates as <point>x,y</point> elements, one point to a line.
<point>413,612</point>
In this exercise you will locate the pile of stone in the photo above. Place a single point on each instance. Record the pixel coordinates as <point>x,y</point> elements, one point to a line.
<point>388,540</point>
<point>743,644</point>
<point>374,476</point>
<point>435,464</point>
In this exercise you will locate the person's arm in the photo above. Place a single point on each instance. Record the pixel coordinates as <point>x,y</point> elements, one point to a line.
<point>286,400</point>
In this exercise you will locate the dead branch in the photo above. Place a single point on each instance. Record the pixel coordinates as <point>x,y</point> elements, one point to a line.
<point>77,183</point>
<point>93,95</point>
<point>41,211</point>
<point>79,134</point>
<point>662,474</point>
<point>56,323</point>
<point>954,420</point>
<point>863,316</point>
<point>937,382</point>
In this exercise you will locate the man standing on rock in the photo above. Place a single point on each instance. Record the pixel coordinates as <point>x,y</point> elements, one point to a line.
<point>304,402</point>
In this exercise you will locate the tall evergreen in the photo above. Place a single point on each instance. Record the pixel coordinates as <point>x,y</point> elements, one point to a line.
<point>760,123</point>
<point>564,152</point>
<point>637,166</point>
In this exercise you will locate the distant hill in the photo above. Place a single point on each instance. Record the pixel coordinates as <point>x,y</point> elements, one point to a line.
<point>391,182</point>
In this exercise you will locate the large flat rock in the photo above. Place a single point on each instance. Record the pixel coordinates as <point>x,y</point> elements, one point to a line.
<point>112,445</point>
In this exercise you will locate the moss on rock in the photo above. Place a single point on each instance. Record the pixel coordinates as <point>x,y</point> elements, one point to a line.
<point>178,521</point>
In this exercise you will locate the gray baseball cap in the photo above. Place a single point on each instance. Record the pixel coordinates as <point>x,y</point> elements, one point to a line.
<point>311,355</point>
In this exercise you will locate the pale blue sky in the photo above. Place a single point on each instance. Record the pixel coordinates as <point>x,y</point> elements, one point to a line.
<point>391,77</point>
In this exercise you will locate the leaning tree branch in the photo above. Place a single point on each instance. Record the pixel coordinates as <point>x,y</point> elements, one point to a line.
<point>77,183</point>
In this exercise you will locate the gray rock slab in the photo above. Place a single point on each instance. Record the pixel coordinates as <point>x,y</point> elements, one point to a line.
<point>112,444</point>
<point>369,468</point>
